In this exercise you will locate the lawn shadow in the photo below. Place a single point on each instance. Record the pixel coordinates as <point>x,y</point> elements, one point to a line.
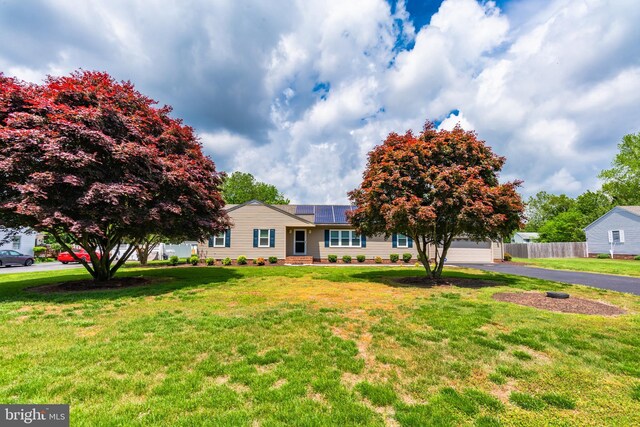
<point>472,279</point>
<point>162,281</point>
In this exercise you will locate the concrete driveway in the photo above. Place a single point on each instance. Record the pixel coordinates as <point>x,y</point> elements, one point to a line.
<point>45,266</point>
<point>629,285</point>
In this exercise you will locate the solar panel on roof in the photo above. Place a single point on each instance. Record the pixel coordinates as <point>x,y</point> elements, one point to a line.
<point>305,209</point>
<point>341,214</point>
<point>324,215</point>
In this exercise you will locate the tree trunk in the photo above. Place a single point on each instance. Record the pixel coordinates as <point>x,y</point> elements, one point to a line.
<point>423,255</point>
<point>143,254</point>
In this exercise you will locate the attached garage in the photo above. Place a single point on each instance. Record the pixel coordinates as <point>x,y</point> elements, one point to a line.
<point>465,251</point>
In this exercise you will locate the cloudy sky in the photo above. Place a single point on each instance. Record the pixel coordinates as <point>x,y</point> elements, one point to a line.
<point>297,92</point>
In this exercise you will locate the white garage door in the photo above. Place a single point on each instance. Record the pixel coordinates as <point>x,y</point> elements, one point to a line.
<point>466,251</point>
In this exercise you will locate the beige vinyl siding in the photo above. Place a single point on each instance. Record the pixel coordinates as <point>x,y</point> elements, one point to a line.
<point>245,219</point>
<point>376,246</point>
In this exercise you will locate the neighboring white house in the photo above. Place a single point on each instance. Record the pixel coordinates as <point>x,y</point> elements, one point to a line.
<point>21,242</point>
<point>525,237</point>
<point>617,232</point>
<point>165,250</point>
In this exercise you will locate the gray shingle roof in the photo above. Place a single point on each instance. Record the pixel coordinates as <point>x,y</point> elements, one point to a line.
<point>633,209</point>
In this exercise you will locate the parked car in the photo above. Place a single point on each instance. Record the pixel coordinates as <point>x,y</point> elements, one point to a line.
<point>66,258</point>
<point>10,257</point>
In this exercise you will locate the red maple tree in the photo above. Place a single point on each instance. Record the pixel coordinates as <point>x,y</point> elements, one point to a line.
<point>94,159</point>
<point>433,188</point>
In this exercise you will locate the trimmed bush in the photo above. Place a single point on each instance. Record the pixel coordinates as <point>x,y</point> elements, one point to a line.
<point>361,258</point>
<point>507,256</point>
<point>39,250</point>
<point>378,260</point>
<point>210,261</point>
<point>603,256</point>
<point>193,260</point>
<point>242,260</point>
<point>226,261</point>
<point>406,257</point>
<point>273,260</point>
<point>332,258</point>
<point>394,257</point>
<point>173,260</point>
<point>259,261</point>
<point>346,259</point>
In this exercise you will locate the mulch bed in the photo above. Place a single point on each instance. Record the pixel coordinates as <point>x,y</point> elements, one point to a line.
<point>90,285</point>
<point>460,282</point>
<point>569,305</point>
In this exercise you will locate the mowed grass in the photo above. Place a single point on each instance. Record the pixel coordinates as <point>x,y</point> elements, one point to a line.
<point>315,346</point>
<point>620,267</point>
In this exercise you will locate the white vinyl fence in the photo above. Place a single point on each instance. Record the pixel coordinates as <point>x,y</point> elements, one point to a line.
<point>547,250</point>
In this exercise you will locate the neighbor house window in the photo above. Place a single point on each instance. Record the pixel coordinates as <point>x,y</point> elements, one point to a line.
<point>616,236</point>
<point>218,240</point>
<point>403,241</point>
<point>15,243</point>
<point>263,238</point>
<point>344,239</point>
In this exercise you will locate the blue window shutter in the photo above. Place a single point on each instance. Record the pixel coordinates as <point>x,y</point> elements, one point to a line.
<point>363,241</point>
<point>272,238</point>
<point>410,242</point>
<point>326,238</point>
<point>255,237</point>
<point>394,241</point>
<point>210,241</point>
<point>227,238</point>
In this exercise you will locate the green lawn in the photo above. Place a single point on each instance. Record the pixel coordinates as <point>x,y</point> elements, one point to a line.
<point>315,346</point>
<point>592,265</point>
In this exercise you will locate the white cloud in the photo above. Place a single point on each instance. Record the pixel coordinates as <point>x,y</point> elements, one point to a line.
<point>297,92</point>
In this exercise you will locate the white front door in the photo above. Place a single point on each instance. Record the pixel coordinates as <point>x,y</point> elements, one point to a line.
<point>300,242</point>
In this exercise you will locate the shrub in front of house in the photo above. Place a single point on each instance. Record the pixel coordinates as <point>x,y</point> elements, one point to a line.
<point>332,258</point>
<point>242,260</point>
<point>173,260</point>
<point>378,260</point>
<point>637,257</point>
<point>394,257</point>
<point>226,261</point>
<point>38,251</point>
<point>346,259</point>
<point>603,256</point>
<point>273,260</point>
<point>259,261</point>
<point>406,257</point>
<point>193,260</point>
<point>361,258</point>
<point>507,256</point>
<point>210,261</point>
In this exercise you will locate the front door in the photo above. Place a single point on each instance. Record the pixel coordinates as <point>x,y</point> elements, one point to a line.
<point>300,242</point>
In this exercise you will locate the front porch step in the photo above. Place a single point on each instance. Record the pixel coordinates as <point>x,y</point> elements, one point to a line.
<point>298,260</point>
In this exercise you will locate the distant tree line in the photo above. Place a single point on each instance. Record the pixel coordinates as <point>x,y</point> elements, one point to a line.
<point>560,218</point>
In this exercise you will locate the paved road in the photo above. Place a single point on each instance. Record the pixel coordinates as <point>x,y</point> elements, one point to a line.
<point>603,281</point>
<point>45,266</point>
